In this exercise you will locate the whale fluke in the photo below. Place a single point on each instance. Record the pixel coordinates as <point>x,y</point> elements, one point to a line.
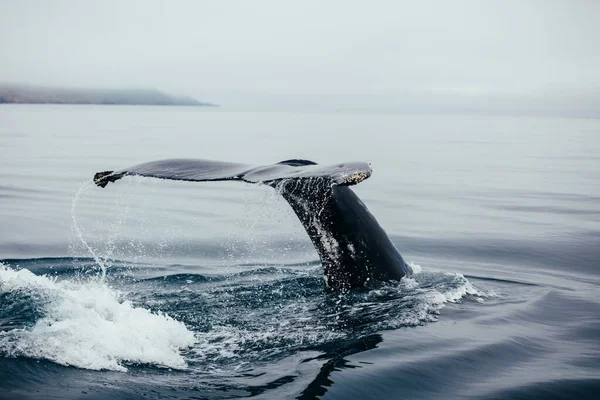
<point>206,171</point>
<point>354,250</point>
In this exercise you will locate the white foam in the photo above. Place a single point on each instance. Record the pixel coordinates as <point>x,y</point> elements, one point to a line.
<point>416,268</point>
<point>87,325</point>
<point>428,292</point>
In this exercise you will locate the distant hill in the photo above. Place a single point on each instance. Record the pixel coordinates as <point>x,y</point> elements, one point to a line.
<point>23,94</point>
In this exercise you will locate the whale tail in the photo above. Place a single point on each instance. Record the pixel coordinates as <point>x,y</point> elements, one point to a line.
<point>354,250</point>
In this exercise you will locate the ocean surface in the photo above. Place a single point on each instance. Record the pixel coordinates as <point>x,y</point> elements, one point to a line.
<point>173,290</point>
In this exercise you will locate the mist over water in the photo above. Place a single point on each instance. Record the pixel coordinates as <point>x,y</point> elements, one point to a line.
<point>213,290</point>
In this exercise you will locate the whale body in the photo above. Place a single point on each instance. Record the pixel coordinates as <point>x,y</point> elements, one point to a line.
<point>354,250</point>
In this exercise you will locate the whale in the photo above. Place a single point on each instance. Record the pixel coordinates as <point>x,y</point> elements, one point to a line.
<point>354,250</point>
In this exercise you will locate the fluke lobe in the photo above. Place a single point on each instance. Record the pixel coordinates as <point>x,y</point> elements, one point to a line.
<point>354,250</point>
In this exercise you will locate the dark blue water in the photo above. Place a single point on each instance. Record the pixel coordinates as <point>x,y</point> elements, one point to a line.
<point>155,289</point>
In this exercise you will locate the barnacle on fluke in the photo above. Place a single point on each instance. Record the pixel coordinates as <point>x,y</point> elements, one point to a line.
<point>358,177</point>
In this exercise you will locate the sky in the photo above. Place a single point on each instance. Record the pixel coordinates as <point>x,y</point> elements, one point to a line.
<point>341,55</point>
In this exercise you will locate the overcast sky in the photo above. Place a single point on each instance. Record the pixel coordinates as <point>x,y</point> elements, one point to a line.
<point>334,54</point>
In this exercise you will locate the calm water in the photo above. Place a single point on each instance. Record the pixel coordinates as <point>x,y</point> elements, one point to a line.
<point>214,291</point>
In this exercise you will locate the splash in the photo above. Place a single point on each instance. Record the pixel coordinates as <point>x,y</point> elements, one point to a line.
<point>87,325</point>
<point>79,232</point>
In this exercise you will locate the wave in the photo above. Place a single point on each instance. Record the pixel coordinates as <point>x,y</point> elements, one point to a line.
<point>88,325</point>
